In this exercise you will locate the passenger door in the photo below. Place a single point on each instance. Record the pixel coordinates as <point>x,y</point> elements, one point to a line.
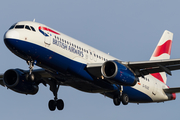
<point>47,39</point>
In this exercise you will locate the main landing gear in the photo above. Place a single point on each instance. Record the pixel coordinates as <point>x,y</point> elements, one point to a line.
<point>56,103</point>
<point>121,98</point>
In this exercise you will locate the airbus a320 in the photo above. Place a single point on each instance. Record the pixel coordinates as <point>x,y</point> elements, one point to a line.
<point>68,62</point>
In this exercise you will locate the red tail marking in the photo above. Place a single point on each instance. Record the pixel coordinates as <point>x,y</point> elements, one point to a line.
<point>158,76</point>
<point>164,48</point>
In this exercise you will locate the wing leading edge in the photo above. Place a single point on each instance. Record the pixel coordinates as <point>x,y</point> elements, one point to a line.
<point>154,66</point>
<point>141,68</point>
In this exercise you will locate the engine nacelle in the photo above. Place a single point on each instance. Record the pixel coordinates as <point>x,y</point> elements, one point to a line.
<point>118,73</point>
<point>15,80</point>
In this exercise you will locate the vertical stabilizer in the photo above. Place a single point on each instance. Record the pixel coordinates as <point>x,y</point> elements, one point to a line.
<point>163,51</point>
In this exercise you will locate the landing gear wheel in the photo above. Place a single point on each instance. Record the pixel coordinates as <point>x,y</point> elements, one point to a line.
<point>125,99</point>
<point>60,104</point>
<point>30,77</point>
<point>56,103</point>
<point>52,105</point>
<point>116,101</point>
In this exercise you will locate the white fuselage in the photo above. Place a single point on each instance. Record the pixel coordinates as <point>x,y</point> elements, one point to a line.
<point>79,52</point>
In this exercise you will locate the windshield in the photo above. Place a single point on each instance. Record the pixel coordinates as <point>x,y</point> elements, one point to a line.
<point>12,26</point>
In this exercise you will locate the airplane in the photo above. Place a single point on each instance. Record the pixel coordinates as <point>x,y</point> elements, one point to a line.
<point>66,61</point>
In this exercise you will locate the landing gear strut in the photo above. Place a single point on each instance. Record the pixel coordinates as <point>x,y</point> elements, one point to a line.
<point>54,87</point>
<point>31,64</point>
<point>121,98</point>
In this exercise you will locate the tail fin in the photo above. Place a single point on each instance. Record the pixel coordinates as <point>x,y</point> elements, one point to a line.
<point>162,51</point>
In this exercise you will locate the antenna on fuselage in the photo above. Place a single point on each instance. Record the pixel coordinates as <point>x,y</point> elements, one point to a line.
<point>34,20</point>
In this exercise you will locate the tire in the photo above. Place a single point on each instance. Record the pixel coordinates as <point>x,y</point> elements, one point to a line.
<point>52,105</point>
<point>125,99</point>
<point>30,77</point>
<point>116,101</point>
<point>60,104</point>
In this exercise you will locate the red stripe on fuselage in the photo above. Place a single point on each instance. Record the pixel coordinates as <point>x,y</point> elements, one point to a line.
<point>164,48</point>
<point>47,29</point>
<point>158,76</point>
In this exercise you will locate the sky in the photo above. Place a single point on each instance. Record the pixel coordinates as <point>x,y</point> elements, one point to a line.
<point>126,29</point>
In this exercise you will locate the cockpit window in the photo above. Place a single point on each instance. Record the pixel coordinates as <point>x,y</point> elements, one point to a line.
<point>22,27</point>
<point>19,26</point>
<point>27,27</point>
<point>33,28</point>
<point>12,26</point>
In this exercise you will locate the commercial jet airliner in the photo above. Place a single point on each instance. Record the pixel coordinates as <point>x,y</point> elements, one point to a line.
<point>69,62</point>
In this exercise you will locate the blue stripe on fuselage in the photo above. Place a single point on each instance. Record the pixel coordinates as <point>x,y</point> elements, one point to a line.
<point>60,63</point>
<point>136,96</point>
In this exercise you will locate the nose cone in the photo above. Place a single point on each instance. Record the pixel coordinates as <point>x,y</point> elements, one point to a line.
<point>11,34</point>
<point>10,37</point>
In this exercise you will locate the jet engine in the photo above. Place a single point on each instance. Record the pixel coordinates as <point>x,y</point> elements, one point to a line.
<point>118,73</point>
<point>15,80</point>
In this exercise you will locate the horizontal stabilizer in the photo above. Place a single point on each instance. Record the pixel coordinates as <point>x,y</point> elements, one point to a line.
<point>172,90</point>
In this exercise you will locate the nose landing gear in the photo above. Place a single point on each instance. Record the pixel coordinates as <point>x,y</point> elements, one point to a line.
<point>54,87</point>
<point>56,103</point>
<point>30,76</point>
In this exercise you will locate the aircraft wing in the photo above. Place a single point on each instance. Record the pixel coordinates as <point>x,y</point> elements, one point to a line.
<point>154,66</point>
<point>1,80</point>
<point>141,68</point>
<point>94,69</point>
<point>40,73</point>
